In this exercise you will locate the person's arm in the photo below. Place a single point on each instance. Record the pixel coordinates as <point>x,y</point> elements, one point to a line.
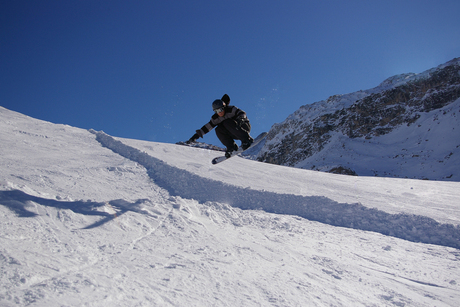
<point>205,129</point>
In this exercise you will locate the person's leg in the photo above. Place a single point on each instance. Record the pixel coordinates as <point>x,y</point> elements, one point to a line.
<point>225,137</point>
<point>235,131</point>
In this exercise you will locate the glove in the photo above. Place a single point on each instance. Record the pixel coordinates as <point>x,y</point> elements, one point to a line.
<point>193,138</point>
<point>241,120</point>
<point>243,123</point>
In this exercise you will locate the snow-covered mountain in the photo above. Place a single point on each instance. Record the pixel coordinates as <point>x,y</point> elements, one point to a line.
<point>87,219</point>
<point>407,127</point>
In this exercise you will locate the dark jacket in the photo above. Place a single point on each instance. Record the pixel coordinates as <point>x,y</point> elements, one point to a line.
<point>231,112</point>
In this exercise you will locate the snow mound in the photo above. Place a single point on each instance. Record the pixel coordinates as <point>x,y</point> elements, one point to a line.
<point>316,208</point>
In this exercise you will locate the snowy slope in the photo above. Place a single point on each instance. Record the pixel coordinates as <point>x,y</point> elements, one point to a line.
<point>427,149</point>
<point>92,220</point>
<point>407,127</point>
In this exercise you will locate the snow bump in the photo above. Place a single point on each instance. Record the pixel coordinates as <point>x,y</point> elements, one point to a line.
<point>178,182</point>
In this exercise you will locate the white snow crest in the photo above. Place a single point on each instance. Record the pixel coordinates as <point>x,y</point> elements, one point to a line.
<point>316,208</point>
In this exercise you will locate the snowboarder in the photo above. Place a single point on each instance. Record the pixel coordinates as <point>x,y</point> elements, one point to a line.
<point>232,124</point>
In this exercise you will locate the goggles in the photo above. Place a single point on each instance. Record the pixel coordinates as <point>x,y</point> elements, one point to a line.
<point>219,110</point>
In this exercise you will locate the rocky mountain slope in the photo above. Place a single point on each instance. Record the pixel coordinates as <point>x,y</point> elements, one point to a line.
<point>406,127</point>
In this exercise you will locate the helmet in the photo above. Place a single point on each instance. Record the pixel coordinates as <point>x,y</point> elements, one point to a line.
<point>217,104</point>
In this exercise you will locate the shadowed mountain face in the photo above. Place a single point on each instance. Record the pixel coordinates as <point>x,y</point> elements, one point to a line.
<point>409,101</point>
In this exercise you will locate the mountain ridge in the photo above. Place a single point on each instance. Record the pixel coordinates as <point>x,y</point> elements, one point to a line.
<point>375,116</point>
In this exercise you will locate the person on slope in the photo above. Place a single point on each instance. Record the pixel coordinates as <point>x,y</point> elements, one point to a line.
<point>232,124</point>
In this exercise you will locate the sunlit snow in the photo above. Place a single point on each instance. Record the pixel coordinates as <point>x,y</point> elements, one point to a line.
<point>89,219</point>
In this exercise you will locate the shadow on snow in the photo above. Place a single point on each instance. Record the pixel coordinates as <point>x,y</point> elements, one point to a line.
<point>19,202</point>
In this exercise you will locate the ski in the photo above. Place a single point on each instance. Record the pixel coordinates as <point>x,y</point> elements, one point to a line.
<point>240,150</point>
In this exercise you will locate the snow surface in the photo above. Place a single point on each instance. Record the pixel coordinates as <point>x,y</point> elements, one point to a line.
<point>92,220</point>
<point>428,148</point>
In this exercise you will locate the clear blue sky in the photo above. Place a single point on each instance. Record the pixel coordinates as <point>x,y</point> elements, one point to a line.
<point>151,69</point>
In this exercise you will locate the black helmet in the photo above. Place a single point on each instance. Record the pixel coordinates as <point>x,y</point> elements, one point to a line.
<point>218,104</point>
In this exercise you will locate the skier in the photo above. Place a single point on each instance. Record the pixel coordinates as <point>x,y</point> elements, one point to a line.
<point>232,124</point>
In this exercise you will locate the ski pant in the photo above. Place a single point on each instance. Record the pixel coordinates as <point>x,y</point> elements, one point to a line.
<point>230,130</point>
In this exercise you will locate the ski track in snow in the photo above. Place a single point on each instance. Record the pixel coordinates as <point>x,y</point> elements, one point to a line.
<point>181,183</point>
